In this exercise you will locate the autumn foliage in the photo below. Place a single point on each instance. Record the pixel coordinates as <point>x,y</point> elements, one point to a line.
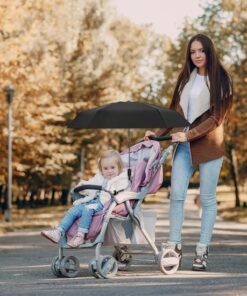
<point>65,56</point>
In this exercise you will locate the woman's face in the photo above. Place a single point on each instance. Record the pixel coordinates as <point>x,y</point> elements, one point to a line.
<point>198,56</point>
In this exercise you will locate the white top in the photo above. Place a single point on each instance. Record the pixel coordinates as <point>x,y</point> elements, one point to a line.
<point>195,103</point>
<point>118,183</point>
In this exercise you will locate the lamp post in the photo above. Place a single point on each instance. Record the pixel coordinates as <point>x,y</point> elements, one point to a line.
<point>9,91</point>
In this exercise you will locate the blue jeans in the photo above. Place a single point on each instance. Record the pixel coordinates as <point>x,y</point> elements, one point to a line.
<point>85,212</point>
<point>182,170</point>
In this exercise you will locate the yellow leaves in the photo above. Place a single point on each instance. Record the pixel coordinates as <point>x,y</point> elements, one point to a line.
<point>62,57</point>
<point>53,117</point>
<point>20,167</point>
<point>29,139</point>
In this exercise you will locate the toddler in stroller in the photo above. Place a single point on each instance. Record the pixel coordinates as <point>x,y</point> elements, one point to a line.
<point>121,222</point>
<point>112,177</point>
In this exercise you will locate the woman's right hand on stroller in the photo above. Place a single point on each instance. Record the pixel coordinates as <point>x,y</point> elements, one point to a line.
<point>148,134</point>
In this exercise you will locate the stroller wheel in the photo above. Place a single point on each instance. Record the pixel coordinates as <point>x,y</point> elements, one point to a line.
<point>107,266</point>
<point>70,266</point>
<point>93,269</point>
<point>55,266</point>
<point>168,261</point>
<point>124,259</point>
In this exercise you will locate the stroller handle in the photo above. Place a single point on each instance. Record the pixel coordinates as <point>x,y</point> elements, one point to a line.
<point>85,187</point>
<point>161,138</point>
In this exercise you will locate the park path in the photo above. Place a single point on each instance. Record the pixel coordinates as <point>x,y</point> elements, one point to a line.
<point>25,259</point>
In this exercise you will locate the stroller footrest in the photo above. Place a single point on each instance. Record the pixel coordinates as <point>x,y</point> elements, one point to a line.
<point>119,217</point>
<point>124,196</point>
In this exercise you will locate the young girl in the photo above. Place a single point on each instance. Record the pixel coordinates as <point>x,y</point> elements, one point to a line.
<point>203,95</point>
<point>111,177</point>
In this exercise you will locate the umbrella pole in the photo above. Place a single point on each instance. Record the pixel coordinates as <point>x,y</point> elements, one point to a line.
<point>129,169</point>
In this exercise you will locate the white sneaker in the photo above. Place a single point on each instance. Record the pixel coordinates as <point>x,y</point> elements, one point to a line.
<point>201,258</point>
<point>53,235</point>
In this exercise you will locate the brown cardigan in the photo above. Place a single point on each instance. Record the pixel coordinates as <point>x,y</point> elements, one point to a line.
<point>205,135</point>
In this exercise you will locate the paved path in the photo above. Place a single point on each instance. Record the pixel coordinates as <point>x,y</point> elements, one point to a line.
<point>25,259</point>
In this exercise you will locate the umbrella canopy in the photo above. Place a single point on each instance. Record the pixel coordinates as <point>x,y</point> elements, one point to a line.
<point>128,115</point>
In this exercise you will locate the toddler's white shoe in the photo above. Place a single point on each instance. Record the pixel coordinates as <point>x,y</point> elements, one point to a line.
<point>53,235</point>
<point>77,240</point>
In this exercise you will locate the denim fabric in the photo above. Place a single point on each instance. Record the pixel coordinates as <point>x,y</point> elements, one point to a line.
<point>182,170</point>
<point>84,211</point>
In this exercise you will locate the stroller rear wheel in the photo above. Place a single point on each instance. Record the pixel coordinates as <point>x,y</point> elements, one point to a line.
<point>168,261</point>
<point>70,266</point>
<point>122,256</point>
<point>93,269</point>
<point>107,266</point>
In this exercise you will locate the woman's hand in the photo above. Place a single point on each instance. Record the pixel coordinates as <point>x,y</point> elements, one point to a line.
<point>179,137</point>
<point>148,134</point>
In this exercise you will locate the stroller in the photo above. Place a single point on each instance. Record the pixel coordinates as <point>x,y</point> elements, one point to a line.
<point>122,222</point>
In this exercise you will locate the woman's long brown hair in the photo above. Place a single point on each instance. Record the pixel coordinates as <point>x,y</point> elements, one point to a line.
<point>220,89</point>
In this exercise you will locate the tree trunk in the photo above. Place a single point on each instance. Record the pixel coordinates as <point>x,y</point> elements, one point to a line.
<point>234,173</point>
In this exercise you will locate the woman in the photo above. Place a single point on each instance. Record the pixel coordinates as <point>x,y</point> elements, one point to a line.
<point>203,95</point>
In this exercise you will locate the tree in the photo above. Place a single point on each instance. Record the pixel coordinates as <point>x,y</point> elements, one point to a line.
<point>63,57</point>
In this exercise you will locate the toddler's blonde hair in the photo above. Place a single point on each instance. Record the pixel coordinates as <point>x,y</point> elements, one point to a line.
<point>111,154</point>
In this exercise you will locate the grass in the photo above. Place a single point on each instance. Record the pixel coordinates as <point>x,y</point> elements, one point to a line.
<point>227,209</point>
<point>44,217</point>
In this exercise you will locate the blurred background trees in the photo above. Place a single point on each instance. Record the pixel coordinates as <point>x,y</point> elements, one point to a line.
<point>65,56</point>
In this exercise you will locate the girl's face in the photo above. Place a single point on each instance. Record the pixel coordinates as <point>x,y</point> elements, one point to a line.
<point>109,167</point>
<point>198,56</point>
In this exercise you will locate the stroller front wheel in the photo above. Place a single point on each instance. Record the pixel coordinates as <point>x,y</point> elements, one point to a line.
<point>107,266</point>
<point>70,266</point>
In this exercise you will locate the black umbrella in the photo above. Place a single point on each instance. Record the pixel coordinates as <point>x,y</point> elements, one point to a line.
<point>128,115</point>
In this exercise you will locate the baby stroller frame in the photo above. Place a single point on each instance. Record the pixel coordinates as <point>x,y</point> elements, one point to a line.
<point>107,266</point>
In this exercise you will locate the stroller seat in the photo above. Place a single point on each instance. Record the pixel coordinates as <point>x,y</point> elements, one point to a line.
<point>96,225</point>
